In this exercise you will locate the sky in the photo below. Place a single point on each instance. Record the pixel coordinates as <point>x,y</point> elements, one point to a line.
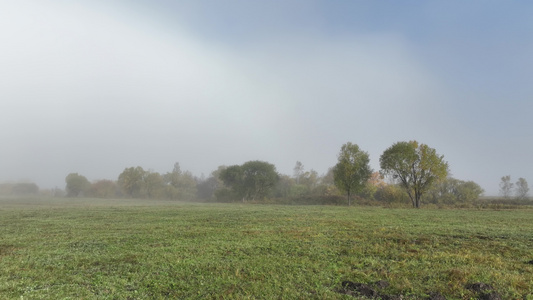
<point>94,87</point>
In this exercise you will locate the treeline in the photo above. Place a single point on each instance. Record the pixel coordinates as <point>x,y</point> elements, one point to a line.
<point>410,172</point>
<point>27,189</point>
<point>259,182</point>
<point>19,189</point>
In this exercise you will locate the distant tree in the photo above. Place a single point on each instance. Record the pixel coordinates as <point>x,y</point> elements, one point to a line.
<point>251,181</point>
<point>131,181</point>
<point>506,187</point>
<point>187,186</point>
<point>451,190</point>
<point>173,177</point>
<point>19,189</point>
<point>25,188</point>
<point>233,179</point>
<point>104,188</point>
<point>180,185</point>
<point>328,178</point>
<point>206,188</point>
<point>415,166</point>
<point>153,185</point>
<point>352,171</point>
<point>326,185</point>
<point>298,171</point>
<point>522,189</point>
<point>77,185</point>
<point>468,191</point>
<point>309,179</point>
<point>284,186</point>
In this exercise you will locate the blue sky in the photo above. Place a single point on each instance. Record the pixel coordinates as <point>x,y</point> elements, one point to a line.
<point>97,86</point>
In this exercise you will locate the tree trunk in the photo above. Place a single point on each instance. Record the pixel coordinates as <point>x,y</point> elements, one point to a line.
<point>349,202</point>
<point>417,196</point>
<point>412,197</point>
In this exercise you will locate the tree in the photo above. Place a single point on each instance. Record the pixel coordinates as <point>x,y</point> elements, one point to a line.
<point>415,166</point>
<point>76,185</point>
<point>253,180</point>
<point>104,188</point>
<point>25,188</point>
<point>180,185</point>
<point>232,177</point>
<point>309,179</point>
<point>206,188</point>
<point>352,170</point>
<point>284,186</point>
<point>298,171</point>
<point>326,185</point>
<point>506,186</point>
<point>131,181</point>
<point>187,186</point>
<point>451,191</point>
<point>522,189</point>
<point>153,184</point>
<point>468,191</point>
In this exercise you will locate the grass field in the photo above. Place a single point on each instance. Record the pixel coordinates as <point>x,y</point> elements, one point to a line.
<point>128,249</point>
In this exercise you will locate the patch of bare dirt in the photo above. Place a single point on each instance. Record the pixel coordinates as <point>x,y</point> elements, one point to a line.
<point>371,291</point>
<point>485,291</point>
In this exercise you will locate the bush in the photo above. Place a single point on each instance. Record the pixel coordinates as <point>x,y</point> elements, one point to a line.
<point>311,200</point>
<point>391,194</point>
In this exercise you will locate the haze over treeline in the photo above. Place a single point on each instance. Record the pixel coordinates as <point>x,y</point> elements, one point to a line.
<point>94,87</point>
<point>410,171</point>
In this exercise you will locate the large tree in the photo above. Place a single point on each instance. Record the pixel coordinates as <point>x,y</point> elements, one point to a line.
<point>415,166</point>
<point>76,185</point>
<point>131,181</point>
<point>352,170</point>
<point>252,180</point>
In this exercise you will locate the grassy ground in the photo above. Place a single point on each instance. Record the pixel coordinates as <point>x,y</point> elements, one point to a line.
<point>124,249</point>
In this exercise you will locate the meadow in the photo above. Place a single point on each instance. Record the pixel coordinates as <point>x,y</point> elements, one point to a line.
<point>133,249</point>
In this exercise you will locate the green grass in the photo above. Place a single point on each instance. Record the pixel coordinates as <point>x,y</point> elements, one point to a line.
<point>127,249</point>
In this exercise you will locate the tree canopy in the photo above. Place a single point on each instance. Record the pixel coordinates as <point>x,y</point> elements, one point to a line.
<point>131,181</point>
<point>415,170</point>
<point>415,166</point>
<point>252,180</point>
<point>352,170</point>
<point>76,185</point>
<point>451,190</point>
